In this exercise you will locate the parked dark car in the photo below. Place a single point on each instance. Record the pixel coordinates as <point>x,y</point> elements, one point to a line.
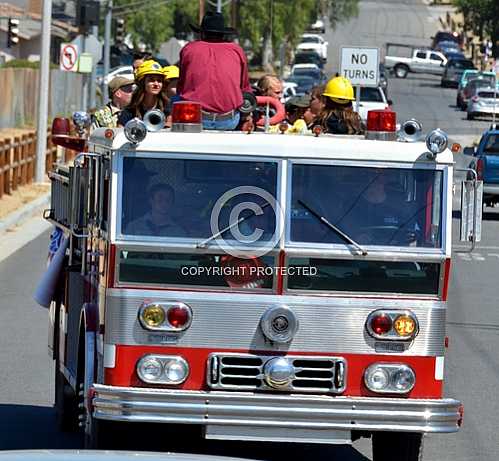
<point>443,36</point>
<point>309,57</point>
<point>315,73</point>
<point>454,70</point>
<point>304,83</point>
<point>455,55</point>
<point>447,47</point>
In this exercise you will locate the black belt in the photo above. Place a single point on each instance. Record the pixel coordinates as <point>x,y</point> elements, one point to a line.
<point>213,116</point>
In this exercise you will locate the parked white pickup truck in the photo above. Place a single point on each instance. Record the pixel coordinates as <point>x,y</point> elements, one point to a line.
<point>403,59</point>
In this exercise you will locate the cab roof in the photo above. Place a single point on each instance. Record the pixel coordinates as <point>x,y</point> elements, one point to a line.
<point>324,147</point>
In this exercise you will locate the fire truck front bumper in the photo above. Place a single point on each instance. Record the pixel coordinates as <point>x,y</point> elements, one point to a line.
<point>225,413</point>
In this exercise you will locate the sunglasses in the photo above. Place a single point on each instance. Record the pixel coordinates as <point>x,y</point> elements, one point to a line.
<point>128,88</point>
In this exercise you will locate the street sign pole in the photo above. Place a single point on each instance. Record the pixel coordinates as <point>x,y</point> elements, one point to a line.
<point>495,103</point>
<point>43,99</point>
<point>84,102</point>
<point>357,98</point>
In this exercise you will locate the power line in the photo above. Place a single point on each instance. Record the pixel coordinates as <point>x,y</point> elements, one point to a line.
<point>116,9</point>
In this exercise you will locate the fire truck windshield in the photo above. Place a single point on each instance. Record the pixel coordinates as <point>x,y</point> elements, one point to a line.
<point>175,197</point>
<point>373,206</point>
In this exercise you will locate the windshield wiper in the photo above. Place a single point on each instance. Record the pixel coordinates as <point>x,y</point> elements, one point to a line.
<point>230,226</point>
<point>334,228</point>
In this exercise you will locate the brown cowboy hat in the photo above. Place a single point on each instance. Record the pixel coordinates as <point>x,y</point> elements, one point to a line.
<point>214,23</point>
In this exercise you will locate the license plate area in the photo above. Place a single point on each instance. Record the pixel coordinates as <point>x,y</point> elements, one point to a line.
<point>278,434</point>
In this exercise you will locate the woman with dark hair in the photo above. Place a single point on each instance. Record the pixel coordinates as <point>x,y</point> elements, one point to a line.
<point>150,93</point>
<point>337,115</point>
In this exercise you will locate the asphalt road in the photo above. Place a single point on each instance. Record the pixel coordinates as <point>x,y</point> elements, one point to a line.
<point>472,365</point>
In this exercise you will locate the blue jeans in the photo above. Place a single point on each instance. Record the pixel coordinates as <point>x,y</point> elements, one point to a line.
<point>227,124</point>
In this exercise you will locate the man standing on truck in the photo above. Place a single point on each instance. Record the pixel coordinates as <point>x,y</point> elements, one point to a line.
<point>214,72</point>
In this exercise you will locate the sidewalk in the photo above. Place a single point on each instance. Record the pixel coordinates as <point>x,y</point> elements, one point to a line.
<point>26,223</point>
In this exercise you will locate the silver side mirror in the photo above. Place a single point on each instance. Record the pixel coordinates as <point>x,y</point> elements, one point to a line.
<point>471,211</point>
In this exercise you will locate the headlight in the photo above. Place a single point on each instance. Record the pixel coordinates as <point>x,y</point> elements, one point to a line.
<point>176,370</point>
<point>403,379</point>
<point>165,316</point>
<point>377,379</point>
<point>162,369</point>
<point>150,369</point>
<point>389,378</point>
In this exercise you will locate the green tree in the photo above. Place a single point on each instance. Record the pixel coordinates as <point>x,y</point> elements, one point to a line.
<point>339,10</point>
<point>150,24</point>
<point>481,17</point>
<point>266,24</point>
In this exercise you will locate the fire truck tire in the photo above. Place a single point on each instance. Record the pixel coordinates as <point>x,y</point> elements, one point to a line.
<point>65,399</point>
<point>397,446</point>
<point>66,403</point>
<point>101,435</point>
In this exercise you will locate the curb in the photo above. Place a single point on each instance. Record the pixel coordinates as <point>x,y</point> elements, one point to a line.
<point>28,210</point>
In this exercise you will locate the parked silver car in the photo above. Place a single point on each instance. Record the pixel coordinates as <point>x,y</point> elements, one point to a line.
<point>483,102</point>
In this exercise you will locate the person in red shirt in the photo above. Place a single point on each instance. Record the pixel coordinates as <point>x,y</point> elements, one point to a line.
<point>214,72</point>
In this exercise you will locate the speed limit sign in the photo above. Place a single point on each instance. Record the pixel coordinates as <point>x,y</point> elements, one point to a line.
<point>68,59</point>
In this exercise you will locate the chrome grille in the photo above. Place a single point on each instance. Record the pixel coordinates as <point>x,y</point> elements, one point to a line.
<point>245,372</point>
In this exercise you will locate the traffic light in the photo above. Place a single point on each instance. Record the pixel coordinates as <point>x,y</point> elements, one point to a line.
<point>119,31</point>
<point>13,32</point>
<point>87,14</point>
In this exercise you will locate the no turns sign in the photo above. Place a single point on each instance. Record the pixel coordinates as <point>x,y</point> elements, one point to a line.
<point>68,59</point>
<point>360,65</point>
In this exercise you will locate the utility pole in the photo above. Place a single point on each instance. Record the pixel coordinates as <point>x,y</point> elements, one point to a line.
<point>93,75</point>
<point>201,10</point>
<point>107,46</point>
<point>233,14</point>
<point>43,99</point>
<point>84,102</point>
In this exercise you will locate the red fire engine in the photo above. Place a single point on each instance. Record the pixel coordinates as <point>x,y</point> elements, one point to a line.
<point>260,286</point>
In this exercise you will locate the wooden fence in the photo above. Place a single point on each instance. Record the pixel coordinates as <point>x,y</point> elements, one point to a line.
<point>18,160</point>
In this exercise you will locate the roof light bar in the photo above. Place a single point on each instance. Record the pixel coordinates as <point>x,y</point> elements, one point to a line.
<point>381,125</point>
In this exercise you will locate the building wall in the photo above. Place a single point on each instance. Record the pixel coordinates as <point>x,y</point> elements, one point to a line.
<point>19,90</point>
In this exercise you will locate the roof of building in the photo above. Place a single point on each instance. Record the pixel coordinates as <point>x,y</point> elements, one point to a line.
<point>30,24</point>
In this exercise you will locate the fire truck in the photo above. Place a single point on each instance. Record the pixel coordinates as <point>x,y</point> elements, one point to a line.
<point>258,286</point>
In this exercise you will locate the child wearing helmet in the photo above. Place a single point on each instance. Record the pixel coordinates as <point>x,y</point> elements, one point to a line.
<point>172,74</point>
<point>337,115</point>
<point>150,93</point>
